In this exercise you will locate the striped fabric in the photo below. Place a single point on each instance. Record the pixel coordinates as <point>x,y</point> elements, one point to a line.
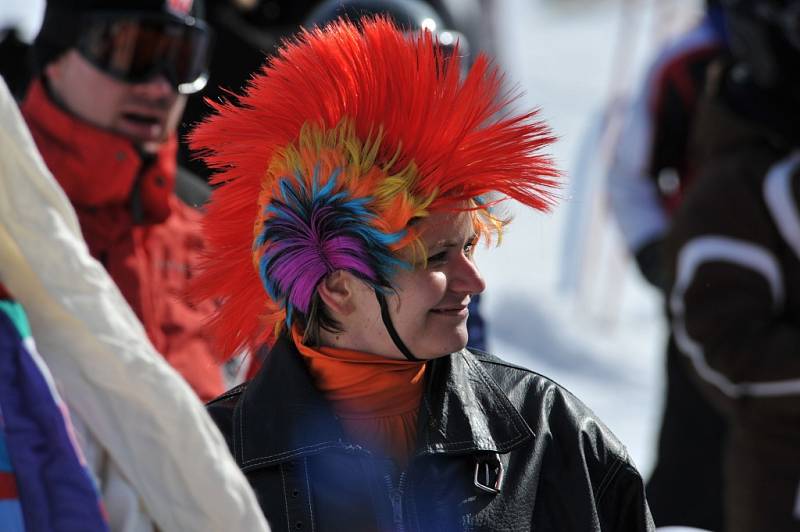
<point>44,482</point>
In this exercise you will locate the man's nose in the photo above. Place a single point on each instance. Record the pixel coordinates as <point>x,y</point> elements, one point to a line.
<point>155,88</point>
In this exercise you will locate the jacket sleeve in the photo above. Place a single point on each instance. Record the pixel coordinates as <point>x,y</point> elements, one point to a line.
<point>654,128</point>
<point>730,305</point>
<point>178,327</point>
<point>621,505</point>
<point>632,191</point>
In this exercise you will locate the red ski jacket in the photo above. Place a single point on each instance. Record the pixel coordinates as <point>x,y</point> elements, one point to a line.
<point>135,225</point>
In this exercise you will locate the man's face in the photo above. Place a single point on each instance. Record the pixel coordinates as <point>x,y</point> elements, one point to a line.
<point>146,113</point>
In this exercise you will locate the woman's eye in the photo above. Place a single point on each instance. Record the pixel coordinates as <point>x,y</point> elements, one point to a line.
<point>469,247</point>
<point>439,257</point>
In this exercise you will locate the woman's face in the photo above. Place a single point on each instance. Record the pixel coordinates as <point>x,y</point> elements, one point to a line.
<point>429,308</point>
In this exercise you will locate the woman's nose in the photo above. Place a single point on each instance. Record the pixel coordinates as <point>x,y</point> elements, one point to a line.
<point>466,277</point>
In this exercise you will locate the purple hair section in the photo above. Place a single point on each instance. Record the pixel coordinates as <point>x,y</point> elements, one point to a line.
<point>311,231</point>
<point>347,253</point>
<point>302,268</point>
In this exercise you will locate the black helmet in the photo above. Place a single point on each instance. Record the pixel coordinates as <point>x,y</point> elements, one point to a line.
<point>410,15</point>
<point>764,37</point>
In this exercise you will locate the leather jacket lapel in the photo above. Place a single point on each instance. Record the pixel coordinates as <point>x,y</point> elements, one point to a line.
<point>464,411</point>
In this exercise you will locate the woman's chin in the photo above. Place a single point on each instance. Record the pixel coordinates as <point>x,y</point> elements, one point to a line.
<point>444,348</point>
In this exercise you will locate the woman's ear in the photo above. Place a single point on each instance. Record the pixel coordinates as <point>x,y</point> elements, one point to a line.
<point>337,290</point>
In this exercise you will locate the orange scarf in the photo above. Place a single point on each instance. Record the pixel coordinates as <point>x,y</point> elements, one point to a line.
<point>376,398</point>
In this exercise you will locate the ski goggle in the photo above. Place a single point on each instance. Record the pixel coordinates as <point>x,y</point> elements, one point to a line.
<point>135,49</point>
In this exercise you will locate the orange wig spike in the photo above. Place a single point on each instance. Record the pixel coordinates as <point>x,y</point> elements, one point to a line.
<point>350,120</point>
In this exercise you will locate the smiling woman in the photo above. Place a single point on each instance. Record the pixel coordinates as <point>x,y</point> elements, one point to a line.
<point>356,175</point>
<point>428,304</point>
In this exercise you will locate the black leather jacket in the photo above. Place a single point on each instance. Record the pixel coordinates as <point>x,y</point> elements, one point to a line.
<point>499,448</point>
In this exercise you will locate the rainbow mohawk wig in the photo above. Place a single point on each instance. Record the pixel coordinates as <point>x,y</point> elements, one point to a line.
<point>344,138</point>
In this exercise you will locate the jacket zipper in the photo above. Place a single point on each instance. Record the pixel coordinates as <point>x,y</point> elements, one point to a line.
<point>396,498</point>
<point>135,199</point>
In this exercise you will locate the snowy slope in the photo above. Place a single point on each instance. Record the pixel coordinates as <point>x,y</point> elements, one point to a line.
<point>563,299</point>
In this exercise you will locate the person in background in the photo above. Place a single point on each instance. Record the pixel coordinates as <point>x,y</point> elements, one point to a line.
<point>734,263</point>
<point>155,458</point>
<point>112,82</point>
<point>44,477</point>
<point>97,431</point>
<point>45,480</point>
<point>244,32</point>
<point>356,175</point>
<point>247,30</point>
<point>653,169</point>
<point>653,165</point>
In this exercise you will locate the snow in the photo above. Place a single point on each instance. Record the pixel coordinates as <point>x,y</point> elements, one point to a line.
<point>24,16</point>
<point>563,298</point>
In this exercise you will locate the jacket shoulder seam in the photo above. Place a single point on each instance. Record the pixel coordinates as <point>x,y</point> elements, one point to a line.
<point>609,477</point>
<point>489,359</point>
<point>233,392</point>
<point>517,420</point>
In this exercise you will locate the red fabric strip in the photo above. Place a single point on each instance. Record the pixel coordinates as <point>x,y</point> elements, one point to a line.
<point>8,486</point>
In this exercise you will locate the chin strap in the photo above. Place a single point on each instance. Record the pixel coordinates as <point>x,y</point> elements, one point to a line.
<point>387,322</point>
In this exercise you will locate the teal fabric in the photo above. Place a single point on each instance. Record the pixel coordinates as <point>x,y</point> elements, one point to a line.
<point>17,315</point>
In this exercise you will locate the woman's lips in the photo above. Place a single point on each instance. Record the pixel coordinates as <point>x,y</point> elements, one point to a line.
<point>461,311</point>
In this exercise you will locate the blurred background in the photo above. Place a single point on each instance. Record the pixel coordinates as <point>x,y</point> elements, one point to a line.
<point>564,298</point>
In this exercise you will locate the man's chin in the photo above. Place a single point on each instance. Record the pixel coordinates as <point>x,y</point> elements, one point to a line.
<point>152,146</point>
<point>146,144</point>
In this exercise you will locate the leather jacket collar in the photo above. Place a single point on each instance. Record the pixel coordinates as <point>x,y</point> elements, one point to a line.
<point>282,416</point>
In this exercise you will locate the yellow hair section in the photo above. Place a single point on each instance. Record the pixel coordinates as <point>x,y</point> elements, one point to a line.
<point>488,228</point>
<point>340,152</point>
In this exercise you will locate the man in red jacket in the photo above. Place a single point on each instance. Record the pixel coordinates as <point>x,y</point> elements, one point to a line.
<point>112,85</point>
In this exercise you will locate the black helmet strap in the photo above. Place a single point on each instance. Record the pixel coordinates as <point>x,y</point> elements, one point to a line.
<point>387,322</point>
